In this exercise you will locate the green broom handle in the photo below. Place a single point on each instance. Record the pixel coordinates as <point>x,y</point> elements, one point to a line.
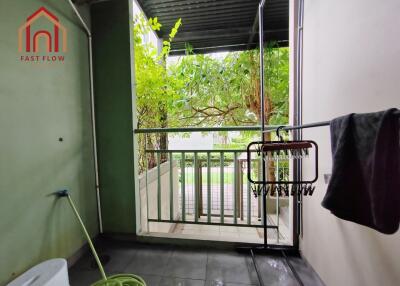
<point>103,274</point>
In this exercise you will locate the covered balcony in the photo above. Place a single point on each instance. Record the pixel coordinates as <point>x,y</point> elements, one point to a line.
<point>78,165</point>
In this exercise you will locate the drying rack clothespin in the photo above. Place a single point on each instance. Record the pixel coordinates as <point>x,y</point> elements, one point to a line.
<point>282,150</point>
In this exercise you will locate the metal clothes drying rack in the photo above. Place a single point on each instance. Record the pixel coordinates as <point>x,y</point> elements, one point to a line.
<point>262,97</point>
<point>277,249</point>
<point>265,247</point>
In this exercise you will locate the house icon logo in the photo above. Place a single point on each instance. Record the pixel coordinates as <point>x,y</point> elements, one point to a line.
<point>50,40</point>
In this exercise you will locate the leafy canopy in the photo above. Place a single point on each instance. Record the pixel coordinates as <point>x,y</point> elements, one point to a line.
<point>203,90</point>
<point>225,90</point>
<point>155,87</point>
<point>206,90</point>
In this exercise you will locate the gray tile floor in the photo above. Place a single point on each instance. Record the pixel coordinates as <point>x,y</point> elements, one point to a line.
<point>162,265</point>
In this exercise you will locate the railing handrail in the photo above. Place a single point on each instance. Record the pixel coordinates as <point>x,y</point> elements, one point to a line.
<point>202,129</point>
<point>197,151</point>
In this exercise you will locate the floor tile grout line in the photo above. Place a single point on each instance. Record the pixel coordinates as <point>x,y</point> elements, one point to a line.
<point>208,253</point>
<point>250,264</point>
<point>173,278</point>
<point>180,278</point>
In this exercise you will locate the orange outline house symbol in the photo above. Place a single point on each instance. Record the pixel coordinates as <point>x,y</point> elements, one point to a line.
<point>52,46</point>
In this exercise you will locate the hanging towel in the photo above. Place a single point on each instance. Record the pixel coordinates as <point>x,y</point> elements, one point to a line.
<point>365,184</point>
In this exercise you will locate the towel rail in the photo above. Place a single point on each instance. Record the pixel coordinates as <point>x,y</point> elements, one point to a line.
<point>309,125</point>
<point>303,126</point>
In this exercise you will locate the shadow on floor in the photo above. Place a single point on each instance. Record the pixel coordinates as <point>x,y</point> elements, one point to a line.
<point>162,265</point>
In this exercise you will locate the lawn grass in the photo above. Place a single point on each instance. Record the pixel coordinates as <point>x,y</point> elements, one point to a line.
<point>215,176</point>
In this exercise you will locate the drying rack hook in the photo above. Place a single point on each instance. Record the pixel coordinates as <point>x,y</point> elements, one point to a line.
<point>278,134</point>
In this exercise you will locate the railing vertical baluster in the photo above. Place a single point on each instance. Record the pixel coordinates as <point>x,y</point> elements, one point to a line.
<point>221,195</point>
<point>171,187</point>
<point>208,188</point>
<point>248,198</point>
<point>196,191</point>
<point>147,190</point>
<point>158,186</point>
<point>183,186</point>
<point>277,202</point>
<point>235,186</point>
<point>260,205</point>
<point>241,189</point>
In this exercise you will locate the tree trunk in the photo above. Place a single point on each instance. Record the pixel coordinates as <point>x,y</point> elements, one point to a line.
<point>163,136</point>
<point>151,158</point>
<point>254,104</point>
<point>163,143</point>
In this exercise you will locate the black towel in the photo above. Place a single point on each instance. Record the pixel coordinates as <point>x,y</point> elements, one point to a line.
<point>365,184</point>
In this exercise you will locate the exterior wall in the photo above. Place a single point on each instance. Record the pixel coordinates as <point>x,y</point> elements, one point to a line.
<point>149,198</point>
<point>39,103</point>
<point>351,64</point>
<point>114,105</point>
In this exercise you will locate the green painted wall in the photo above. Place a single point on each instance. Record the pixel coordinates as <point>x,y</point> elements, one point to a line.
<point>38,104</point>
<point>113,93</point>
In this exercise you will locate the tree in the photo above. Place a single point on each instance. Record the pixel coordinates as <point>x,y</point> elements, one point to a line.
<point>227,91</point>
<point>202,90</point>
<point>155,87</point>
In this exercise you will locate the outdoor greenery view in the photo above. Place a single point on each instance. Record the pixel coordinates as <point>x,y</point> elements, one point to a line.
<point>204,89</point>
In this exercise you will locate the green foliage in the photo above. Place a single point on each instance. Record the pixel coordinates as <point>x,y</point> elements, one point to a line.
<point>203,90</point>
<point>155,87</point>
<point>230,146</point>
<point>209,96</point>
<point>221,91</point>
<point>276,73</point>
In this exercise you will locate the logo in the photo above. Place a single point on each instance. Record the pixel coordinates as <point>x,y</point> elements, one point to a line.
<point>42,44</point>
